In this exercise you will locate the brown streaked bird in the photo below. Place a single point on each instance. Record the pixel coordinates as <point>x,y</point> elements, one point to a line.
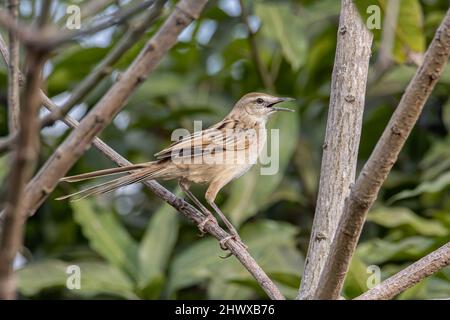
<point>214,156</point>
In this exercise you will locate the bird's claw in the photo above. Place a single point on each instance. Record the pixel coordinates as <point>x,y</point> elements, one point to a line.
<point>223,245</point>
<point>201,225</point>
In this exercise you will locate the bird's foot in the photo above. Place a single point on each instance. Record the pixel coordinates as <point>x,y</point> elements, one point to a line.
<point>224,246</point>
<point>201,225</point>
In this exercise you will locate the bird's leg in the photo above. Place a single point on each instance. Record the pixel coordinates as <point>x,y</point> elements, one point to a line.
<point>231,228</point>
<point>209,216</point>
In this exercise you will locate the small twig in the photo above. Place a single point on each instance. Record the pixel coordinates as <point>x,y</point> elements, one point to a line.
<point>44,14</point>
<point>409,276</point>
<point>13,72</point>
<point>380,162</point>
<point>340,148</point>
<point>264,74</point>
<point>91,8</point>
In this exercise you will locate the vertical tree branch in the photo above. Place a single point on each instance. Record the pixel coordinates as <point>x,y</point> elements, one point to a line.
<point>409,276</point>
<point>13,72</point>
<point>22,166</point>
<point>340,149</point>
<point>380,162</point>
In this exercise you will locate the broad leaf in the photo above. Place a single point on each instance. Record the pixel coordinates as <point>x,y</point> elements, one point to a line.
<point>401,216</point>
<point>155,249</point>
<point>95,278</point>
<point>281,24</point>
<point>271,243</point>
<point>439,184</point>
<point>379,251</point>
<point>409,34</point>
<point>107,236</point>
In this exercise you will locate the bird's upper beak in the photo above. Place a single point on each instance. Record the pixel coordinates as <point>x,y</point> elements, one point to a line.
<point>280,108</point>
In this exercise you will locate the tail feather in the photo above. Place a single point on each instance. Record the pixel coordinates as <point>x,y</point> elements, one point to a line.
<point>150,172</point>
<point>105,172</point>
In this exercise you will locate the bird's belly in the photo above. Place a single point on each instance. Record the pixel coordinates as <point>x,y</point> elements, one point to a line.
<point>206,173</point>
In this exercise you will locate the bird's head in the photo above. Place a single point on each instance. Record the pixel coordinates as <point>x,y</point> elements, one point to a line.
<point>260,105</point>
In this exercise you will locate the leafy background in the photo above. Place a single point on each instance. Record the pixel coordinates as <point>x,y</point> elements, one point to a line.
<point>132,246</point>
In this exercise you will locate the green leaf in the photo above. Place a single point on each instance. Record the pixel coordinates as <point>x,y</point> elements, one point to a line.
<point>410,37</point>
<point>271,243</point>
<point>107,236</point>
<point>401,216</point>
<point>356,280</point>
<point>155,249</point>
<point>253,191</point>
<point>95,278</point>
<point>439,184</point>
<point>379,251</point>
<point>281,24</point>
<point>42,275</point>
<point>409,33</point>
<point>72,67</point>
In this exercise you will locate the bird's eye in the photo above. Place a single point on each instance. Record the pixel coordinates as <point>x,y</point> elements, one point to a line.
<point>260,100</point>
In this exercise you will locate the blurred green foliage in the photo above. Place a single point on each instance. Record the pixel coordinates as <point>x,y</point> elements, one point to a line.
<point>132,246</point>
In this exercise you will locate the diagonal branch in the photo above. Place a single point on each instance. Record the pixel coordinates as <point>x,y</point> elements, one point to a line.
<point>409,276</point>
<point>340,149</point>
<point>380,162</point>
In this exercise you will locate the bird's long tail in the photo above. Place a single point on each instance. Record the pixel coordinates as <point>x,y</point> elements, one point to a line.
<point>137,173</point>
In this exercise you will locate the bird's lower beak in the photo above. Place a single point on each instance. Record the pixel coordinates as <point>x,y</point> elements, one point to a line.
<point>280,108</point>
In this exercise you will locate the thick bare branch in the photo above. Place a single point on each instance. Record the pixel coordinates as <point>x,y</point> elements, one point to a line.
<point>409,276</point>
<point>22,167</point>
<point>378,166</point>
<point>340,149</point>
<point>13,72</point>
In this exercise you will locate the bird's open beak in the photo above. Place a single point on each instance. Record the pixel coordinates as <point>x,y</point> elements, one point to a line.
<point>280,108</point>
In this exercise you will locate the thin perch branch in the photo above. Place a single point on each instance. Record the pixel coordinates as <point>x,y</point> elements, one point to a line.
<point>340,149</point>
<point>409,276</point>
<point>380,163</point>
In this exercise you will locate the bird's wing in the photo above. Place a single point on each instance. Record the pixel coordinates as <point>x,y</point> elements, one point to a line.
<point>224,135</point>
